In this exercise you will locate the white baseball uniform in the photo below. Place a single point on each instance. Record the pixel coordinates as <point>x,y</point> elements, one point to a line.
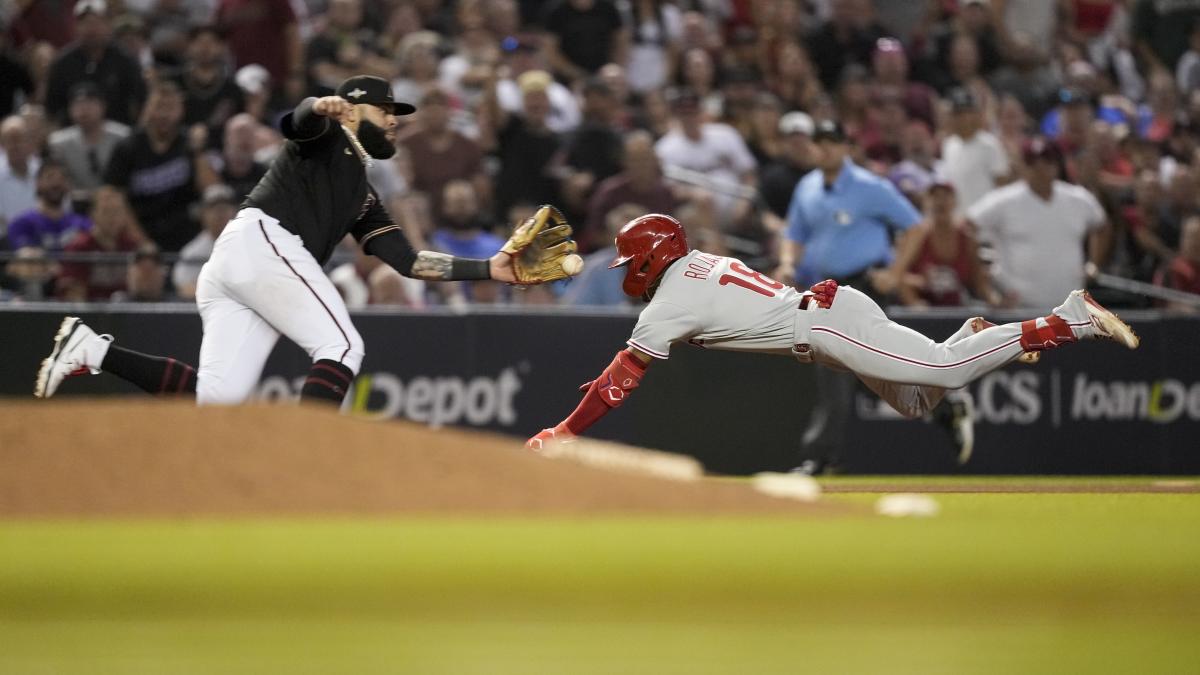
<point>718,303</point>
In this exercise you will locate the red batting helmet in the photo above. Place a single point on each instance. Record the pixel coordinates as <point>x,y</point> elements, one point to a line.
<point>648,244</point>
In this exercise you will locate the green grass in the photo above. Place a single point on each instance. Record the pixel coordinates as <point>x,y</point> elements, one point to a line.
<point>999,583</point>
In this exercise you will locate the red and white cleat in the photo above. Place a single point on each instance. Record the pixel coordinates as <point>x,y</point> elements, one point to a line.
<point>1107,324</point>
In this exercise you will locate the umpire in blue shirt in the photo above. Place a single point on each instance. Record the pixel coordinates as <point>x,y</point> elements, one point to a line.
<point>841,224</point>
<point>842,220</point>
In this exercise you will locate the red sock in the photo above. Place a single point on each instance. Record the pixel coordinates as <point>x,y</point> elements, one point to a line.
<point>1052,333</point>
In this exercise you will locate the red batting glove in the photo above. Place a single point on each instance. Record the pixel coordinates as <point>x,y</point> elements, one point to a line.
<point>823,292</point>
<point>558,434</point>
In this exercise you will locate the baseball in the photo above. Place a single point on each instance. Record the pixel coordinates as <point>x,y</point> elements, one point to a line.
<point>572,264</point>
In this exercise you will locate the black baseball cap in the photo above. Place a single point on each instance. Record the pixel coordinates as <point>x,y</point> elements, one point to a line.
<point>961,99</point>
<point>373,91</point>
<point>829,131</point>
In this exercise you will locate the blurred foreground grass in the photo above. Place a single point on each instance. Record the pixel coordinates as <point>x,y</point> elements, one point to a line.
<point>999,583</point>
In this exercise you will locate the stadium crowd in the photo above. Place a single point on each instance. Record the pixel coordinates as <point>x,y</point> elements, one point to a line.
<point>957,151</point>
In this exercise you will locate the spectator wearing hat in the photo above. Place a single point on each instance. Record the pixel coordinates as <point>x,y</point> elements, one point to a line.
<point>18,170</point>
<point>113,231</point>
<point>524,143</point>
<point>210,95</point>
<point>522,54</point>
<point>265,32</point>
<point>943,268</point>
<point>777,179</point>
<point>1039,229</point>
<point>640,181</point>
<point>85,147</point>
<point>94,57</point>
<point>973,159</point>
<point>583,35</point>
<point>217,207</point>
<point>160,168</point>
<point>713,149</point>
<point>51,225</point>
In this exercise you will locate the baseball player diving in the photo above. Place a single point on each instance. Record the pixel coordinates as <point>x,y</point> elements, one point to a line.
<point>265,275</point>
<point>718,303</point>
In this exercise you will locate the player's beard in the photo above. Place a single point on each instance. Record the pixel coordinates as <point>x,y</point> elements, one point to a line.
<point>374,140</point>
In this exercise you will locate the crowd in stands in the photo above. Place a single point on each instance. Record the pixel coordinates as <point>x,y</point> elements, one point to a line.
<point>1026,138</point>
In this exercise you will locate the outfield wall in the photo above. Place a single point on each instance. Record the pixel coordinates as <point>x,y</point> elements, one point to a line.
<point>1089,408</point>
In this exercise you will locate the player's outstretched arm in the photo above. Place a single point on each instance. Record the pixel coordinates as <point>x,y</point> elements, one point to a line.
<point>602,394</point>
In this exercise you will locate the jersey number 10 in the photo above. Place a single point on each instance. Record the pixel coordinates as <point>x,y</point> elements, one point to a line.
<point>750,280</point>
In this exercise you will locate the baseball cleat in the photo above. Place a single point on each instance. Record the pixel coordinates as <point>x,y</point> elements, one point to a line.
<point>956,415</point>
<point>1107,324</point>
<point>73,345</point>
<point>979,323</point>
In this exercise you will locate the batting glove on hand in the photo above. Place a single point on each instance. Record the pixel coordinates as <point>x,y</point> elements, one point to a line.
<point>558,434</point>
<point>823,292</point>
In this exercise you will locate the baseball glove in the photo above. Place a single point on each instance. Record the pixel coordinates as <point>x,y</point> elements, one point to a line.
<point>539,245</point>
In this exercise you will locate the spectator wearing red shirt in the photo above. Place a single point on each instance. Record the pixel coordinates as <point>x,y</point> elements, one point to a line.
<point>265,32</point>
<point>112,232</point>
<point>944,269</point>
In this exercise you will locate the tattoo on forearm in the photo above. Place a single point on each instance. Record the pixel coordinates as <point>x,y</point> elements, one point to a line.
<point>432,266</point>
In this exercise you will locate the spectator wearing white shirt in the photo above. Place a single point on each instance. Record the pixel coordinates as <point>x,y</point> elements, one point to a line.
<point>973,159</point>
<point>1038,228</point>
<point>713,149</point>
<point>18,171</point>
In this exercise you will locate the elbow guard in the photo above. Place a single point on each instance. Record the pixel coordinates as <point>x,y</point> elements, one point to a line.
<point>620,377</point>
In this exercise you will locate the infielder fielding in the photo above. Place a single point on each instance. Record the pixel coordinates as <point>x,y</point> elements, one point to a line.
<point>718,303</point>
<point>265,276</point>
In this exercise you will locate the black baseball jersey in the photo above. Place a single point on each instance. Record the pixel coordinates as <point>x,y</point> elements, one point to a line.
<point>317,187</point>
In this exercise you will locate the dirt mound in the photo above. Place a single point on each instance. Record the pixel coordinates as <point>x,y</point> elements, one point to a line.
<point>156,458</point>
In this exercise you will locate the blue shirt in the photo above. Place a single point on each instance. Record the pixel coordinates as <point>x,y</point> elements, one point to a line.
<point>596,284</point>
<point>481,245</point>
<point>34,228</point>
<point>847,228</point>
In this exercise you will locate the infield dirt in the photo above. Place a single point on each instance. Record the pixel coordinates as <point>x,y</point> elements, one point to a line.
<point>130,457</point>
